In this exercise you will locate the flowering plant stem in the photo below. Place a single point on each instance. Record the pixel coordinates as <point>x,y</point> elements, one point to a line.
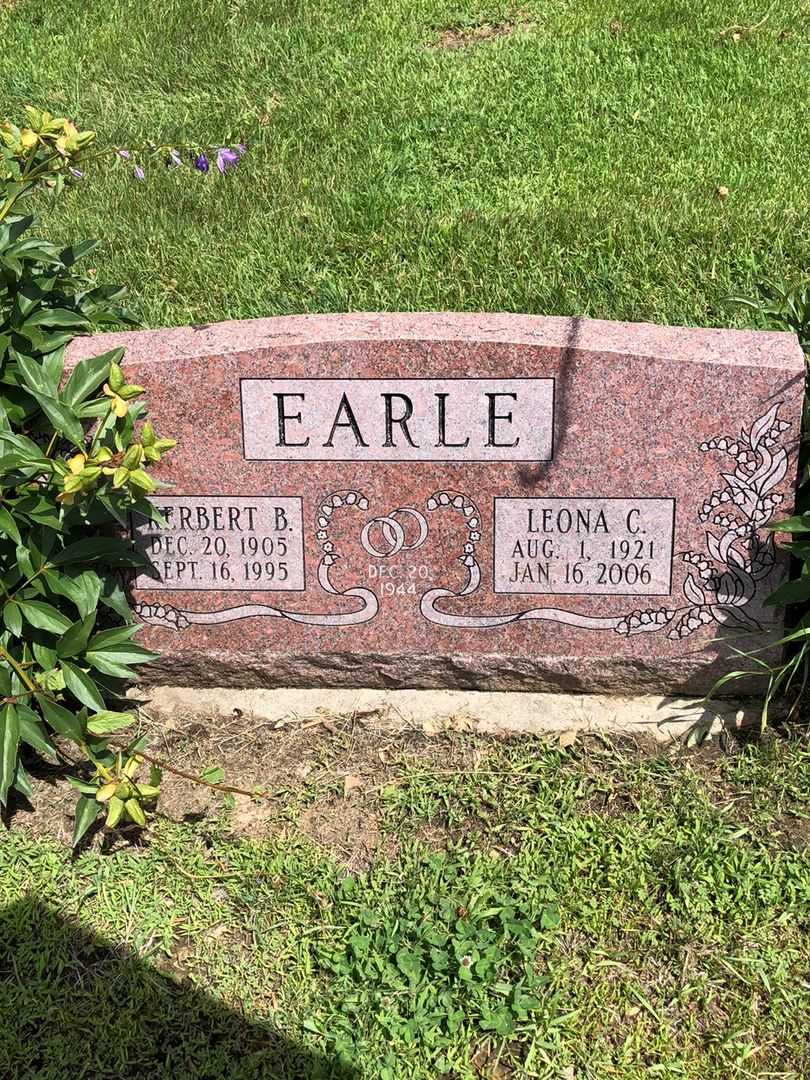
<point>77,451</point>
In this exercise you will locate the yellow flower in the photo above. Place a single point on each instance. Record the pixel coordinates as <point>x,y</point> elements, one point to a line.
<point>117,403</point>
<point>76,463</point>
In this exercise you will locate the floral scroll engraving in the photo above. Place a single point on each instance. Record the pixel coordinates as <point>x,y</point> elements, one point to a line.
<point>719,582</point>
<point>723,580</point>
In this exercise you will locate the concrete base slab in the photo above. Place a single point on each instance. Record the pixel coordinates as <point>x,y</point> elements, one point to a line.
<point>664,719</point>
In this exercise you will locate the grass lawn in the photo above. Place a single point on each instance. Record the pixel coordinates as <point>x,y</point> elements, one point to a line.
<point>552,156</point>
<point>467,909</point>
<point>461,908</point>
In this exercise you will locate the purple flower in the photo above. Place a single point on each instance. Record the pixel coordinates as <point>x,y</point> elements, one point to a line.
<point>77,173</point>
<point>226,159</point>
<point>124,154</point>
<point>201,163</point>
<point>138,172</point>
<point>174,159</point>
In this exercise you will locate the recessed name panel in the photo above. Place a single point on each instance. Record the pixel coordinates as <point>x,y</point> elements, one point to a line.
<point>223,542</point>
<point>398,419</point>
<point>587,546</point>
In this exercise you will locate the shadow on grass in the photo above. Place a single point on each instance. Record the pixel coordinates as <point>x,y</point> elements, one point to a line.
<point>72,1006</point>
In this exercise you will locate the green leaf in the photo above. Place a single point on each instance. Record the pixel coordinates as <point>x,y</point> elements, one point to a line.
<point>128,653</point>
<point>25,447</point>
<point>63,418</point>
<point>92,409</point>
<point>791,592</point>
<point>409,963</point>
<point>143,508</point>
<point>115,636</point>
<point>147,791</point>
<point>52,680</point>
<point>9,742</point>
<point>88,375</point>
<point>45,657</point>
<point>798,524</point>
<point>12,618</point>
<point>115,509</point>
<point>104,549</point>
<point>44,616</point>
<point>108,667</point>
<point>25,560</point>
<point>87,810</point>
<point>22,781</point>
<point>212,775</point>
<point>72,254</point>
<point>550,917</point>
<point>39,509</point>
<point>60,719</point>
<point>8,526</point>
<point>799,548</point>
<point>106,722</point>
<point>499,1020</point>
<point>82,786</point>
<point>32,732</point>
<point>82,687</point>
<point>61,318</point>
<point>82,589</point>
<point>53,364</point>
<point>114,597</point>
<point>14,228</point>
<point>34,375</point>
<point>75,638</point>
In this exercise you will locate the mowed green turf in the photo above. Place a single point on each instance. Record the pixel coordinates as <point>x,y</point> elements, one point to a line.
<point>588,914</point>
<point>569,165</point>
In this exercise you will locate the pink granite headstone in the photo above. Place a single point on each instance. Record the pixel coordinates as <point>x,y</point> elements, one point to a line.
<point>485,501</point>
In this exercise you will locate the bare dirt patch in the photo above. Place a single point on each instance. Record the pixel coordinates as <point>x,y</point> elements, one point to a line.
<point>49,813</point>
<point>461,36</point>
<point>793,833</point>
<point>322,777</point>
<point>349,831</point>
